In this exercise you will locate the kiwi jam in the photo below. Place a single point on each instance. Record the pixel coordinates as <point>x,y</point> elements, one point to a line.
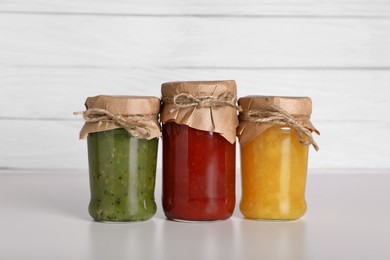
<point>122,172</point>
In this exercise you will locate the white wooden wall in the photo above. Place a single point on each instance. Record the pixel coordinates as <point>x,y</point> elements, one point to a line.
<point>55,53</point>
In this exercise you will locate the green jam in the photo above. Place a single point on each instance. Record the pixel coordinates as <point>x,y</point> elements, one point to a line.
<point>122,171</point>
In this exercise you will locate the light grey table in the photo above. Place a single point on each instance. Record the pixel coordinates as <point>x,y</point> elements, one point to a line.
<point>43,215</point>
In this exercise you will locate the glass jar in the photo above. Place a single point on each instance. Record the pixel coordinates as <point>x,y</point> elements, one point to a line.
<point>122,137</point>
<point>274,135</point>
<point>199,157</point>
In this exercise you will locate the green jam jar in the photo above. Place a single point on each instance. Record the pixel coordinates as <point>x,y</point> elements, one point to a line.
<point>122,156</point>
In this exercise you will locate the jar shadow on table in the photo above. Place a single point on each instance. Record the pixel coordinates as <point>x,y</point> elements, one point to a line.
<point>273,239</point>
<point>116,240</point>
<point>198,240</point>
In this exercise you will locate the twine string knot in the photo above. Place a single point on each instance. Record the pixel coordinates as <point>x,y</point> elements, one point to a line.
<point>185,100</point>
<point>132,123</point>
<point>281,117</point>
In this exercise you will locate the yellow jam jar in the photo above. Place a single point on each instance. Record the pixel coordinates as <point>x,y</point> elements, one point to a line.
<point>274,134</point>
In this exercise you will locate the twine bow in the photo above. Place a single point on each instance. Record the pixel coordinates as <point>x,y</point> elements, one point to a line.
<point>131,123</point>
<point>184,100</point>
<point>282,117</point>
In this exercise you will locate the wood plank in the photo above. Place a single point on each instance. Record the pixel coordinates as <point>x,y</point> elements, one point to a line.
<point>42,145</point>
<point>39,93</point>
<point>372,8</point>
<point>55,145</point>
<point>193,42</point>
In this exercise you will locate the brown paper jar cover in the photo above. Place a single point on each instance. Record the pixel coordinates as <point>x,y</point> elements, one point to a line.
<point>218,119</point>
<point>124,106</point>
<point>298,107</point>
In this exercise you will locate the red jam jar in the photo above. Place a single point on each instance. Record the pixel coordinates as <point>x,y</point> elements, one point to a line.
<point>199,133</point>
